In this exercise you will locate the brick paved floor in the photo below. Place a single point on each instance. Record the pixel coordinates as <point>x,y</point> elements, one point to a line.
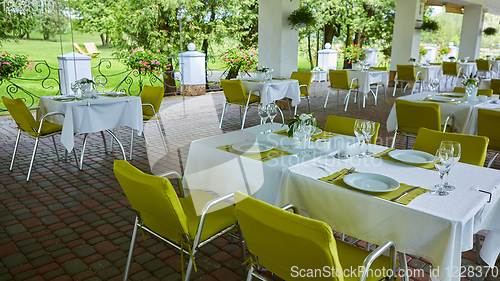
<point>67,224</point>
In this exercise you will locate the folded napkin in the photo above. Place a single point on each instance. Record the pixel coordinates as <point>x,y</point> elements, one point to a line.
<point>451,102</point>
<point>111,96</point>
<point>405,200</point>
<point>452,96</point>
<point>429,166</point>
<point>323,135</point>
<point>262,156</point>
<point>282,132</point>
<point>281,78</point>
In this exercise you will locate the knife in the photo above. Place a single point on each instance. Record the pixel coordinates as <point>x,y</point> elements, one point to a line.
<point>272,155</point>
<point>385,153</point>
<point>395,199</point>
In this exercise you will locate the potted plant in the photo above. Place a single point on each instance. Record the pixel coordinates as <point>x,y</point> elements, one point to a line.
<point>387,54</point>
<point>146,62</point>
<point>471,85</point>
<point>239,59</point>
<point>302,17</point>
<point>353,54</point>
<point>490,31</point>
<point>412,61</point>
<point>12,66</point>
<point>429,25</point>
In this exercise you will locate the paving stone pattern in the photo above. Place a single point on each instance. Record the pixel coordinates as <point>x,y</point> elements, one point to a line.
<point>67,224</point>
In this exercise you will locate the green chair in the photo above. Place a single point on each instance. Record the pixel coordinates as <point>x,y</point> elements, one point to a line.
<point>473,148</point>
<point>406,73</point>
<point>487,125</point>
<point>30,127</point>
<point>339,80</point>
<point>173,220</point>
<point>304,79</point>
<point>483,68</point>
<point>280,241</point>
<point>495,86</point>
<point>151,98</point>
<point>235,94</point>
<point>378,84</point>
<point>450,69</point>
<point>345,126</point>
<point>480,92</point>
<point>411,116</point>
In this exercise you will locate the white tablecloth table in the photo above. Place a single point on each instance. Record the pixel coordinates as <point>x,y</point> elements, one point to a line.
<point>434,227</point>
<point>485,84</point>
<point>461,112</point>
<point>428,72</point>
<point>468,68</point>
<point>472,125</point>
<point>366,78</point>
<point>93,115</point>
<point>495,67</point>
<point>275,90</point>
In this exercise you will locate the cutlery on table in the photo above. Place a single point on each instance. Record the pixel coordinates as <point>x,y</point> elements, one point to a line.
<point>385,153</point>
<point>395,199</point>
<point>350,171</point>
<point>272,155</point>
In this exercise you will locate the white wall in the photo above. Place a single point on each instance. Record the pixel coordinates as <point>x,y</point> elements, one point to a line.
<point>472,27</point>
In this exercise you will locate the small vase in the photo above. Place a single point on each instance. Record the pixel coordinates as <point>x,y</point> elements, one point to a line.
<point>471,93</point>
<point>86,90</point>
<point>355,66</point>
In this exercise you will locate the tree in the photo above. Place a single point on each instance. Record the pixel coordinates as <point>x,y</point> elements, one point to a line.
<point>95,16</point>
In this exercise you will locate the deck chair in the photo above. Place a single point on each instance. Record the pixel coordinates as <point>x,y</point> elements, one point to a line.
<point>80,50</point>
<point>92,50</point>
<point>474,148</point>
<point>235,94</point>
<point>411,116</point>
<point>487,125</point>
<point>174,220</point>
<point>345,126</point>
<point>27,125</point>
<point>279,241</point>
<point>406,73</point>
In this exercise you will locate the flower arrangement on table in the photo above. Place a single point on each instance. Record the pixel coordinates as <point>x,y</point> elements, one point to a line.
<point>302,118</point>
<point>444,49</point>
<point>412,59</point>
<point>317,69</point>
<point>240,59</point>
<point>353,53</point>
<point>452,58</point>
<point>387,53</point>
<point>148,62</point>
<point>12,66</point>
<point>470,82</point>
<point>422,51</point>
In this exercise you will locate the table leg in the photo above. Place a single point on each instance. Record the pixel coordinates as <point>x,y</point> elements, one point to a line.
<point>80,165</point>
<point>119,143</point>
<point>104,141</point>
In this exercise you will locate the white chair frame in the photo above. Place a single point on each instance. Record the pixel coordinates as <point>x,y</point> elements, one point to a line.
<point>346,98</point>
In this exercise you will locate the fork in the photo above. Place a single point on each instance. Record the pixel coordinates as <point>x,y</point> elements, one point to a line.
<point>350,171</point>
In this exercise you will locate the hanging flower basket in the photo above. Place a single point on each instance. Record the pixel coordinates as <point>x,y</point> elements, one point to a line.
<point>490,31</point>
<point>302,17</point>
<point>430,25</point>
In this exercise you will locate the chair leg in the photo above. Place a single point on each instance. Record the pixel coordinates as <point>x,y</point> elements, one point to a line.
<point>346,100</point>
<point>394,138</point>
<point>385,93</point>
<point>131,144</point>
<point>404,266</point>
<point>161,134</point>
<point>407,140</point>
<point>131,250</point>
<point>295,112</point>
<point>395,86</point>
<point>15,149</point>
<point>104,141</point>
<point>249,276</point>
<point>111,142</point>
<point>326,100</point>
<point>222,116</point>
<point>244,118</point>
<point>309,104</point>
<point>32,159</point>
<point>189,268</point>
<point>55,147</point>
<point>281,113</point>
<point>492,159</point>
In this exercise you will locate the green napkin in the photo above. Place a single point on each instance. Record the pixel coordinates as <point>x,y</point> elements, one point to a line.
<point>429,166</point>
<point>322,135</point>
<point>405,200</point>
<point>452,96</point>
<point>451,102</point>
<point>282,132</point>
<point>262,156</point>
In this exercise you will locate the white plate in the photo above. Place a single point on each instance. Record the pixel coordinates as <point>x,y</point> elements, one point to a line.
<point>371,182</point>
<point>438,98</point>
<point>458,95</point>
<point>411,156</point>
<point>252,146</point>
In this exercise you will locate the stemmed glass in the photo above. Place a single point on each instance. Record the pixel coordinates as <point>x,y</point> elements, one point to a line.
<point>456,152</point>
<point>74,88</point>
<point>358,131</point>
<point>368,132</point>
<point>103,83</point>
<point>309,128</point>
<point>262,111</point>
<point>299,132</point>
<point>272,111</point>
<point>442,161</point>
<point>433,84</point>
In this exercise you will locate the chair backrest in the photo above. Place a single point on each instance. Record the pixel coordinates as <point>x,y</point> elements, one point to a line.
<point>383,68</point>
<point>281,240</point>
<point>151,95</point>
<point>495,86</point>
<point>406,72</point>
<point>21,115</point>
<point>483,65</point>
<point>304,78</point>
<point>435,63</point>
<point>79,49</point>
<point>480,92</point>
<point>345,126</point>
<point>233,91</point>
<point>91,48</point>
<point>339,79</point>
<point>487,125</point>
<point>473,148</point>
<point>412,116</point>
<point>450,68</point>
<point>155,200</point>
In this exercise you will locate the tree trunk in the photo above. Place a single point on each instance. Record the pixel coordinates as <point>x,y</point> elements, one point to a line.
<point>317,46</point>
<point>232,73</point>
<point>103,38</point>
<point>309,51</point>
<point>169,86</point>
<point>362,38</point>
<point>328,34</point>
<point>28,36</point>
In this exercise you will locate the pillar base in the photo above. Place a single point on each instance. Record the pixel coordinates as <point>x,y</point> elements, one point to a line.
<point>195,90</point>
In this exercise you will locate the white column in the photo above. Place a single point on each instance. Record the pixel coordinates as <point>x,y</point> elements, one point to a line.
<point>278,43</point>
<point>472,26</point>
<point>406,39</point>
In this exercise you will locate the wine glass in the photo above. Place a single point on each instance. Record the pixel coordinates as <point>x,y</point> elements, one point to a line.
<point>358,131</point>
<point>299,132</point>
<point>457,151</point>
<point>74,88</point>
<point>262,111</point>
<point>272,111</point>
<point>310,126</point>
<point>103,83</point>
<point>368,132</point>
<point>442,161</point>
<point>433,84</point>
